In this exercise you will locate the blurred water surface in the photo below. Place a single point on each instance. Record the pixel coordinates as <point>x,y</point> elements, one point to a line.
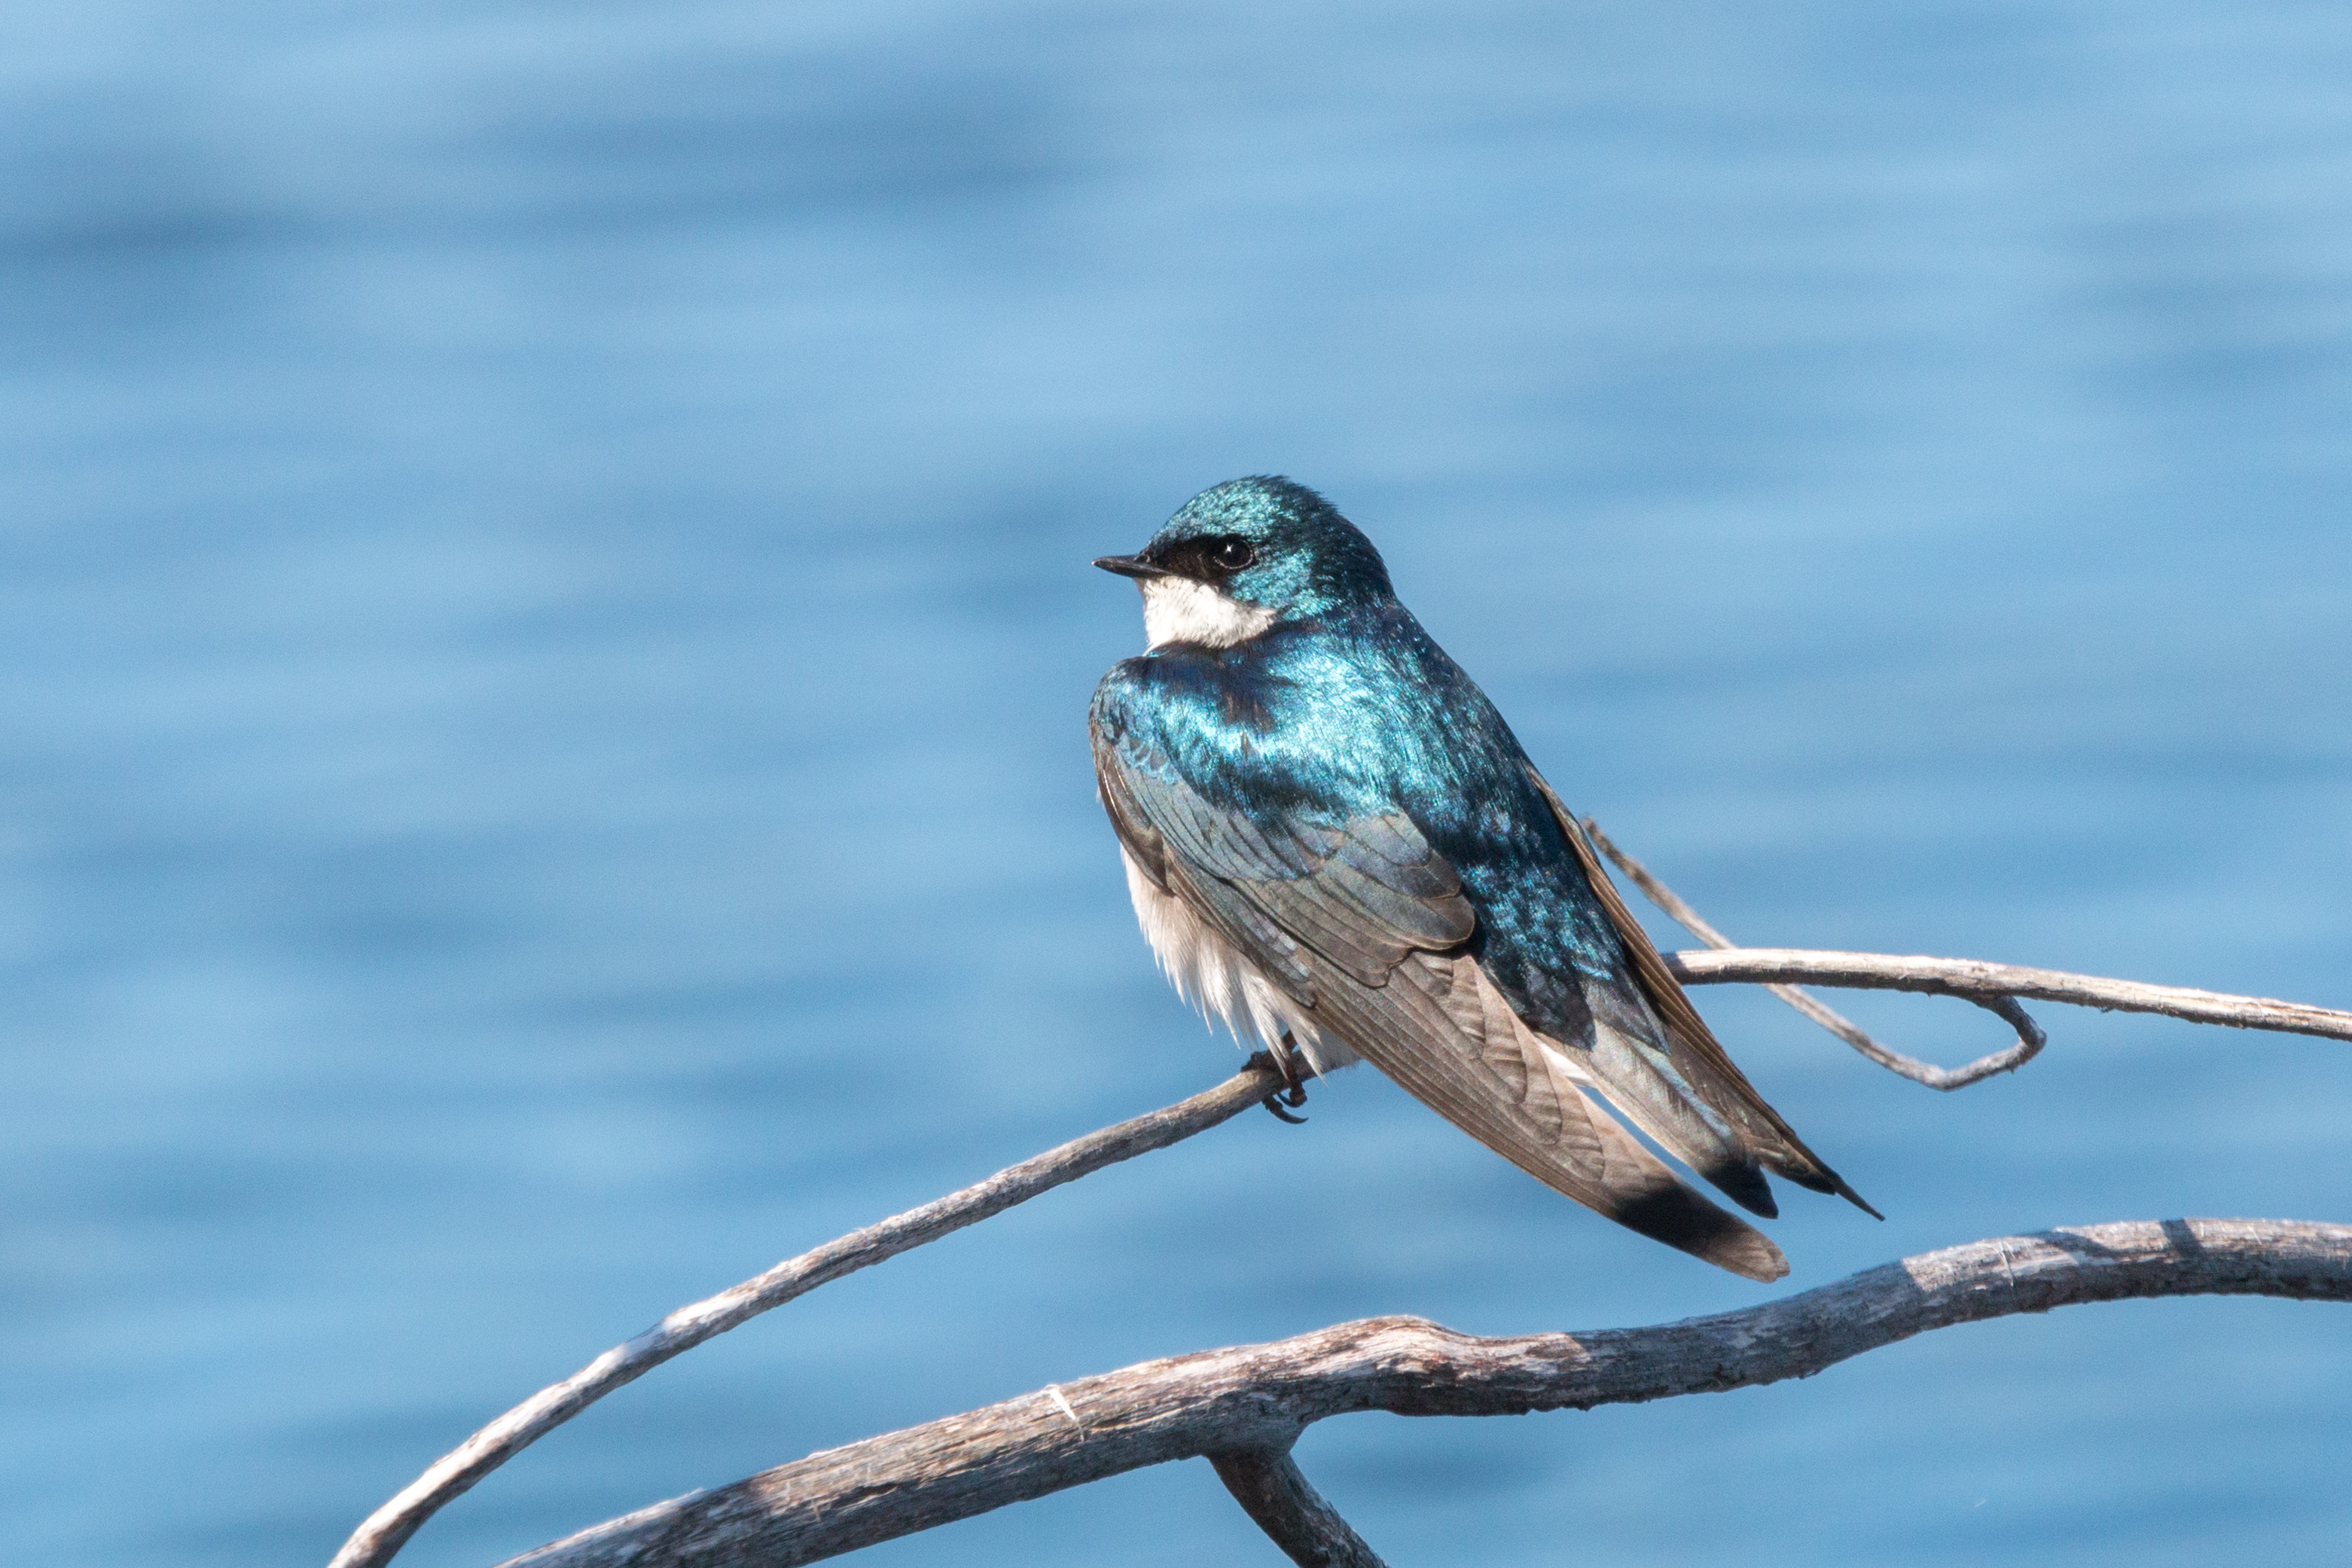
<point>546,634</point>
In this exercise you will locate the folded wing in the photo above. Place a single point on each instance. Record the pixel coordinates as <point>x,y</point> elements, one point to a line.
<point>1359,921</point>
<point>1698,1058</point>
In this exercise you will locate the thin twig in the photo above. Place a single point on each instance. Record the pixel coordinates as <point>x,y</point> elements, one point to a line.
<point>2009,1059</point>
<point>1657,892</point>
<point>1976,980</point>
<point>1266,1482</point>
<point>387,1529</point>
<point>2030,1037</point>
<point>1262,1396</point>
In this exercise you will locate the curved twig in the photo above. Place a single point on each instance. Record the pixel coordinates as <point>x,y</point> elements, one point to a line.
<point>1975,979</point>
<point>2030,1037</point>
<point>2030,1041</point>
<point>386,1530</point>
<point>1261,1396</point>
<point>1992,987</point>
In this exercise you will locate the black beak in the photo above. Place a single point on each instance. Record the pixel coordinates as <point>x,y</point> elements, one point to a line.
<point>1130,566</point>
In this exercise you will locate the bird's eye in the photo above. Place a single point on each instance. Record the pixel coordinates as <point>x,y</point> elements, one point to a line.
<point>1231,554</point>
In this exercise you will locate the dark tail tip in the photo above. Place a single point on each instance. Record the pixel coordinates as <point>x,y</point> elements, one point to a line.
<point>1818,1177</point>
<point>1744,1184</point>
<point>1682,1219</point>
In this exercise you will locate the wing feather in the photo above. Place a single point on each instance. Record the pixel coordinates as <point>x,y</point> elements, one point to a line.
<point>1697,1055</point>
<point>1444,1032</point>
<point>1361,921</point>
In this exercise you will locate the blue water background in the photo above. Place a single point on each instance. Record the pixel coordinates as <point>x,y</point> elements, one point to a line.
<point>543,639</point>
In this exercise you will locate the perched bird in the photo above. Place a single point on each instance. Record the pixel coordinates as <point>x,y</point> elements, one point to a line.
<point>1334,841</point>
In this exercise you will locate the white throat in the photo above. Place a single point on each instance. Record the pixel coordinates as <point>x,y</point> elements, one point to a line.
<point>1177,609</point>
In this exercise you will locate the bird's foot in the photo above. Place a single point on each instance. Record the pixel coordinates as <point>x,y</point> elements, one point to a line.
<point>1294,1090</point>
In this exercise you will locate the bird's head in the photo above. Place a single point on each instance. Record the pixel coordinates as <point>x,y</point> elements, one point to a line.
<point>1246,556</point>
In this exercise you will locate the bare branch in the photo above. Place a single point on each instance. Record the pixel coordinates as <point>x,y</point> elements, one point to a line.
<point>1992,986</point>
<point>386,1530</point>
<point>1266,1483</point>
<point>2030,1037</point>
<point>1261,1396</point>
<point>1976,980</point>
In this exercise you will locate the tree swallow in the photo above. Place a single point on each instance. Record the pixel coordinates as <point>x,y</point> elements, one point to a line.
<point>1334,841</point>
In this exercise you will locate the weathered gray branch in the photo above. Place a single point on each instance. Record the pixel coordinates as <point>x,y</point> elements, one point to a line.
<point>2030,1037</point>
<point>1266,1483</point>
<point>1261,1396</point>
<point>387,1529</point>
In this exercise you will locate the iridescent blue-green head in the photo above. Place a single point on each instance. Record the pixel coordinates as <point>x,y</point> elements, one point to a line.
<point>1246,556</point>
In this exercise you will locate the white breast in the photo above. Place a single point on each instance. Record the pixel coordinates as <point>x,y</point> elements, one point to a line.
<point>1208,973</point>
<point>1177,609</point>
